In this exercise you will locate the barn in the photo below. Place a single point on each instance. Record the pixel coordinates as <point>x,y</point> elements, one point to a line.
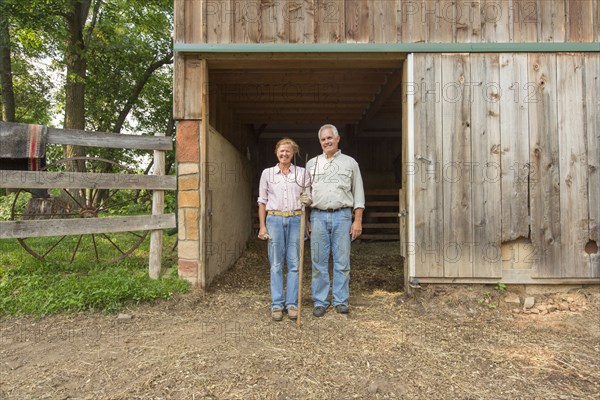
<point>476,125</point>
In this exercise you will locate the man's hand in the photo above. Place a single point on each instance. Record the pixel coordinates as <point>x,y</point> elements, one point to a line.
<point>356,229</point>
<point>305,199</point>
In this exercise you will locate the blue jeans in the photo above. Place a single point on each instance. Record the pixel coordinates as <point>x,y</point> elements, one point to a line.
<point>330,233</point>
<point>284,247</point>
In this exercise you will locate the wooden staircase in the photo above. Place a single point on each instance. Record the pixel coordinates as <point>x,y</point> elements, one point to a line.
<point>380,219</point>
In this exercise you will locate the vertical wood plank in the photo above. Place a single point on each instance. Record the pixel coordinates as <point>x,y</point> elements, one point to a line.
<point>596,21</point>
<point>195,23</point>
<point>514,138</point>
<point>193,80</point>
<point>525,16</point>
<point>384,23</point>
<point>429,210</point>
<point>485,171</point>
<point>552,14</point>
<point>494,21</point>
<point>158,208</point>
<point>545,174</point>
<point>468,21</point>
<point>592,107</point>
<point>357,14</point>
<point>330,21</point>
<point>413,28</point>
<point>179,86</point>
<point>219,16</point>
<point>439,15</point>
<point>203,234</point>
<point>274,24</point>
<point>179,21</point>
<point>573,166</point>
<point>458,210</point>
<point>246,20</point>
<point>581,19</point>
<point>302,21</point>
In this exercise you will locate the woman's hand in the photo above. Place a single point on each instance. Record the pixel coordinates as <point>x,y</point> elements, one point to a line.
<point>263,234</point>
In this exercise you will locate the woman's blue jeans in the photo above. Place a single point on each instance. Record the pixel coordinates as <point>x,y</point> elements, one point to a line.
<point>284,247</point>
<point>330,232</point>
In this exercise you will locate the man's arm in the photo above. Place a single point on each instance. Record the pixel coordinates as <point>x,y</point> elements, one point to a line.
<point>356,229</point>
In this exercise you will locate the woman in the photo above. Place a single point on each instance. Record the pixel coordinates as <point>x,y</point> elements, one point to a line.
<point>279,215</point>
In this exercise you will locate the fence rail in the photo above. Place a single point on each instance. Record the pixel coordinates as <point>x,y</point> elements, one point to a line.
<point>158,183</point>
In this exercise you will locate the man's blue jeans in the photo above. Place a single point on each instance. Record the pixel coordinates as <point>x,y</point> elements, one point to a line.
<point>330,232</point>
<point>284,247</point>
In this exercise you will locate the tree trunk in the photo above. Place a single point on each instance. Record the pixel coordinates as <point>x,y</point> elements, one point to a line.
<point>76,76</point>
<point>8,97</point>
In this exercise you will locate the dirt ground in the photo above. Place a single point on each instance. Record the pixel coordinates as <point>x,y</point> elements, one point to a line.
<point>441,343</point>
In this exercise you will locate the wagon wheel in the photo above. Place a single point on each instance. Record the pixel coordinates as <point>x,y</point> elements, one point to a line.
<point>80,203</point>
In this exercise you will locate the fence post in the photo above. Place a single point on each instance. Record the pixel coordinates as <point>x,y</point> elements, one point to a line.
<point>158,205</point>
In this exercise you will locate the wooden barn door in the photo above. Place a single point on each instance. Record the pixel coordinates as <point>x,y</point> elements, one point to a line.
<point>406,205</point>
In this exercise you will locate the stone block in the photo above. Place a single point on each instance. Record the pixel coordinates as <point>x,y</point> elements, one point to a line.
<point>181,228</point>
<point>187,269</point>
<point>188,249</point>
<point>187,199</point>
<point>512,298</point>
<point>188,182</point>
<point>187,168</point>
<point>191,223</point>
<point>188,144</point>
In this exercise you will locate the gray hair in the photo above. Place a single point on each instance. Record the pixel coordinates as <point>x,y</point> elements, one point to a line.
<point>332,127</point>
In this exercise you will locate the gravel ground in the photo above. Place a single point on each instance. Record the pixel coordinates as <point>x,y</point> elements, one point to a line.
<point>444,342</point>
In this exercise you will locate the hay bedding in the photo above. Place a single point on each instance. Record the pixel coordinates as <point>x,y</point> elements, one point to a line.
<point>443,343</point>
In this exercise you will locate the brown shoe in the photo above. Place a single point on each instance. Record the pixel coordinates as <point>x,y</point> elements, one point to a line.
<point>277,315</point>
<point>292,313</point>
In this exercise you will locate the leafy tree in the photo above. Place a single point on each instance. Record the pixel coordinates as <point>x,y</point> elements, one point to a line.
<point>113,57</point>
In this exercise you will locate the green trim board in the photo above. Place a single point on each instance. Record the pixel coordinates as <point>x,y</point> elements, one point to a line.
<point>386,47</point>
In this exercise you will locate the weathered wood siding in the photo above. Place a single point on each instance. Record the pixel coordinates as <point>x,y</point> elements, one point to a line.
<point>385,21</point>
<point>507,149</point>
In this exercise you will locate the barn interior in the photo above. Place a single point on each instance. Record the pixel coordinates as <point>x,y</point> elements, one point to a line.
<point>252,100</point>
<point>255,100</point>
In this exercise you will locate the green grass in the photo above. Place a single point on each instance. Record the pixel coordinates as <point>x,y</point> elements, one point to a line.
<point>30,287</point>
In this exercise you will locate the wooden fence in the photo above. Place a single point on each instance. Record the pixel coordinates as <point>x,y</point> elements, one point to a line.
<point>158,183</point>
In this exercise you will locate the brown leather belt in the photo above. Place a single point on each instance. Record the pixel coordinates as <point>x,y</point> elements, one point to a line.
<point>333,209</point>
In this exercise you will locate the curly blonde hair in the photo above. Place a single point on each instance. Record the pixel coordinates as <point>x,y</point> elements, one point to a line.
<point>287,140</point>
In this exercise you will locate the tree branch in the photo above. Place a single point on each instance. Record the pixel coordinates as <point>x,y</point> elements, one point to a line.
<point>135,94</point>
<point>97,6</point>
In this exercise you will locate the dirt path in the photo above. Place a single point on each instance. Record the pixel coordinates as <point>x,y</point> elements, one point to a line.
<point>445,343</point>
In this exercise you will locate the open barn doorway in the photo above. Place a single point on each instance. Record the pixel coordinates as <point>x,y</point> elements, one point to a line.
<point>254,100</point>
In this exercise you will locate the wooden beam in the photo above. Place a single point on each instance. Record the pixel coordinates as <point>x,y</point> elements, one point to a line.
<point>335,119</point>
<point>389,87</point>
<point>307,77</point>
<point>268,101</point>
<point>80,180</point>
<point>296,108</point>
<point>108,140</point>
<point>277,87</point>
<point>367,51</point>
<point>84,226</point>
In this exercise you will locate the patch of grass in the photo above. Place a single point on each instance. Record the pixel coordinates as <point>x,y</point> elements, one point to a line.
<point>29,287</point>
<point>501,287</point>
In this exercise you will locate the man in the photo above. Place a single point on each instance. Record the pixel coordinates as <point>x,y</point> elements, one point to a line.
<point>337,191</point>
